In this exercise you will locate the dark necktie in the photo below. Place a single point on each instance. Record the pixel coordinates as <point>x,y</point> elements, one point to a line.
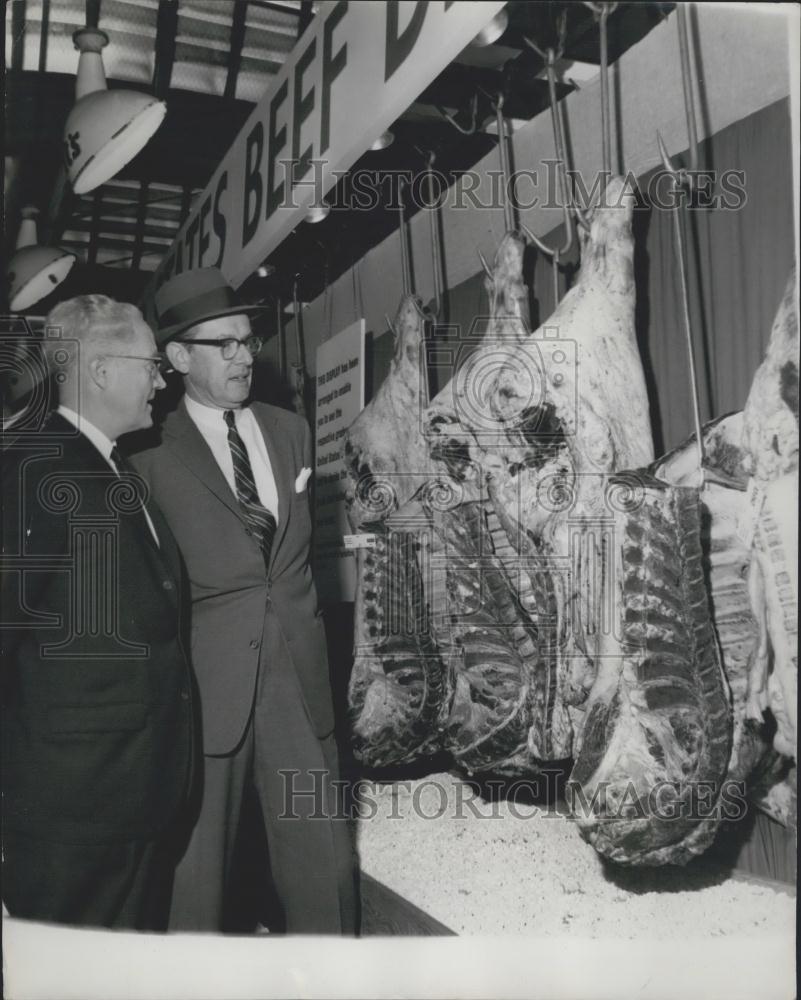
<point>261,521</point>
<point>126,470</point>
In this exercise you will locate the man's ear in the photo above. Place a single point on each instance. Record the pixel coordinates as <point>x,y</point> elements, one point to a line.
<point>178,355</point>
<point>98,371</point>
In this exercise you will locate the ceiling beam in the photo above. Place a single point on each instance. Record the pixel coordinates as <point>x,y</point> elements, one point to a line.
<point>279,8</point>
<point>97,206</point>
<point>141,218</point>
<point>237,41</point>
<point>166,30</point>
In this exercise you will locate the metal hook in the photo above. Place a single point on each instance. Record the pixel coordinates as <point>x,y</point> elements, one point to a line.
<point>404,239</point>
<point>550,56</point>
<point>602,12</point>
<point>689,106</point>
<point>508,210</point>
<point>485,265</point>
<point>435,247</point>
<point>473,115</point>
<point>678,176</point>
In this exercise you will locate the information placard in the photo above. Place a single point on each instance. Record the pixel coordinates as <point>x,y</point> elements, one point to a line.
<point>340,399</point>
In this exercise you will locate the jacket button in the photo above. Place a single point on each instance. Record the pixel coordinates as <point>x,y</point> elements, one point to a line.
<point>254,643</point>
<point>167,584</point>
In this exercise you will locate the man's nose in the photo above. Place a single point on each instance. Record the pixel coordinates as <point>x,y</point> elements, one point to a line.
<point>158,381</point>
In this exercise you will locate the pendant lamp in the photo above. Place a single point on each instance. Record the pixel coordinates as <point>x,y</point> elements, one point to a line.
<point>316,213</point>
<point>493,31</point>
<point>34,271</point>
<point>106,128</point>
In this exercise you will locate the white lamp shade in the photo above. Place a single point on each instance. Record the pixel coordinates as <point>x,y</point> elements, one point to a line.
<point>384,140</point>
<point>492,31</point>
<point>106,129</point>
<point>33,273</point>
<point>317,213</point>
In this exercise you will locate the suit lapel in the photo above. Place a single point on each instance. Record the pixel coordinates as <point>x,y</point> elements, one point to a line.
<point>282,468</point>
<point>90,455</point>
<point>168,548</point>
<point>189,445</point>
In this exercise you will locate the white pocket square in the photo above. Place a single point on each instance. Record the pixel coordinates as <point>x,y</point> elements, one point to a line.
<point>303,478</point>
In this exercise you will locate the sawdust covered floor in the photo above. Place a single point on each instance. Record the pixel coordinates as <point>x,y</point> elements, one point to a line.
<point>489,867</point>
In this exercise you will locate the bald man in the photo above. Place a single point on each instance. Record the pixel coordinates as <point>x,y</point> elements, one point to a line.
<point>97,705</point>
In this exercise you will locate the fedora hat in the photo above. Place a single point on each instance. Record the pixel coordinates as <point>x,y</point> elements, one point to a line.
<point>194,297</point>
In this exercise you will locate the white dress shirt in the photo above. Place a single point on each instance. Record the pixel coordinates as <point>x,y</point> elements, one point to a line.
<point>211,423</point>
<point>104,445</point>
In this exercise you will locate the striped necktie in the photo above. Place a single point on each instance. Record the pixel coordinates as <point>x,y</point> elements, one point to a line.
<point>261,521</point>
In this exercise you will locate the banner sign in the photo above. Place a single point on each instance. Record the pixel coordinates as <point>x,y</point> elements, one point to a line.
<point>357,67</point>
<point>340,399</point>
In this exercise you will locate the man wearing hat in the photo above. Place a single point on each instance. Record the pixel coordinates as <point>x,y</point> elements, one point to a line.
<point>231,480</point>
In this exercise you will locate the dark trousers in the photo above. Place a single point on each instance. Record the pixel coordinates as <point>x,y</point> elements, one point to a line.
<point>310,852</point>
<point>124,886</point>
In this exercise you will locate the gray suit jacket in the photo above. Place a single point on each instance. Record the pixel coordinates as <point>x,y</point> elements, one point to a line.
<point>242,615</point>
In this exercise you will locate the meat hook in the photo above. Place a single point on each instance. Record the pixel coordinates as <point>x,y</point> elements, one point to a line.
<point>686,85</point>
<point>485,265</point>
<point>473,115</point>
<point>679,242</point>
<point>550,57</point>
<point>602,12</point>
<point>508,211</point>
<point>405,264</point>
<point>435,247</point>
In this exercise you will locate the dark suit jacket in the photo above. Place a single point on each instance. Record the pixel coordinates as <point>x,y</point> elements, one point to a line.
<point>97,707</point>
<point>241,614</point>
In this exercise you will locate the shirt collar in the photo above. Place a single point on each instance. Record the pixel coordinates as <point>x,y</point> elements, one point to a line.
<point>103,444</point>
<point>209,416</point>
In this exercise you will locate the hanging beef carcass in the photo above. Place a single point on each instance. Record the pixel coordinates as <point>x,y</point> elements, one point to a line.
<point>542,418</point>
<point>639,671</point>
<point>726,517</point>
<point>397,683</point>
<point>740,535</point>
<point>491,633</point>
<point>726,533</point>
<point>648,778</point>
<point>770,442</point>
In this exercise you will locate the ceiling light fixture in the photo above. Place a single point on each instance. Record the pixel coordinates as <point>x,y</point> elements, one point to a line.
<point>265,270</point>
<point>34,271</point>
<point>384,140</point>
<point>493,31</point>
<point>317,213</point>
<point>106,128</point>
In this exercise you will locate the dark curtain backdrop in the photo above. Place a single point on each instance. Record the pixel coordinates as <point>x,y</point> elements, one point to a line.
<point>737,267</point>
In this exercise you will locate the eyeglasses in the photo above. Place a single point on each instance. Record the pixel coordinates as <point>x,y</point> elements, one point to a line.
<point>157,365</point>
<point>230,345</point>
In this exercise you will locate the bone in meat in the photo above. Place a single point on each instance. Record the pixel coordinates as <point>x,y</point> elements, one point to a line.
<point>493,641</point>
<point>770,441</point>
<point>397,679</point>
<point>658,721</point>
